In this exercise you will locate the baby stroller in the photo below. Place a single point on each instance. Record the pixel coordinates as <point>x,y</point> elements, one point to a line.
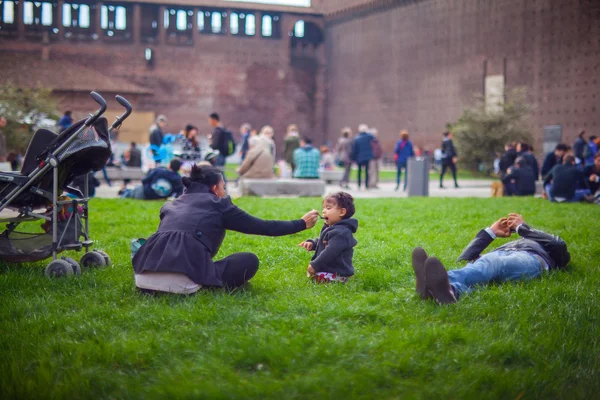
<point>50,163</point>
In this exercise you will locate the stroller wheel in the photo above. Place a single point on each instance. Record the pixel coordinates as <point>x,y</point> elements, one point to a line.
<point>92,260</point>
<point>107,261</point>
<point>74,265</point>
<point>59,268</point>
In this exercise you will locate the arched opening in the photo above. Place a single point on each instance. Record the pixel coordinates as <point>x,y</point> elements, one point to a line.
<point>305,39</point>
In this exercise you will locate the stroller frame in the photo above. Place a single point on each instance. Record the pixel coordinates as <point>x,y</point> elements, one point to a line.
<point>50,160</point>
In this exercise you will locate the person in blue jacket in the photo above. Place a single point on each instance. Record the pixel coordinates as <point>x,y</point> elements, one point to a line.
<point>160,183</point>
<point>404,150</point>
<point>362,153</point>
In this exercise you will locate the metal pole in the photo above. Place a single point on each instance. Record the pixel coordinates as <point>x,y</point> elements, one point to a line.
<point>86,197</point>
<point>54,210</point>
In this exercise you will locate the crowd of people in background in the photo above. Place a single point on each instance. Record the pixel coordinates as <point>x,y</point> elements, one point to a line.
<point>568,173</point>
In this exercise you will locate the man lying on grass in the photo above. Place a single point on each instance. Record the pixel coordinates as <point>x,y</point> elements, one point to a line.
<point>521,259</point>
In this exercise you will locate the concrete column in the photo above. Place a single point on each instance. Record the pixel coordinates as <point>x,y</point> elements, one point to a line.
<point>59,18</point>
<point>162,32</point>
<point>97,27</point>
<point>136,28</point>
<point>258,25</point>
<point>20,23</point>
<point>194,25</point>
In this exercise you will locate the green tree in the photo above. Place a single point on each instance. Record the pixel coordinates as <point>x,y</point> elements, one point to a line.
<point>24,109</point>
<point>481,132</point>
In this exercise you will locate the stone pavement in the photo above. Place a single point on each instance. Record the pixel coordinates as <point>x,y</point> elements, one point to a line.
<point>468,188</point>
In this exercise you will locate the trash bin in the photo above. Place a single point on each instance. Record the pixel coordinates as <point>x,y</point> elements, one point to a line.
<point>418,176</point>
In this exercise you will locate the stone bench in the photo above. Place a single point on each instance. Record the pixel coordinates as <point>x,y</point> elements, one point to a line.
<point>132,173</point>
<point>282,187</point>
<point>334,176</point>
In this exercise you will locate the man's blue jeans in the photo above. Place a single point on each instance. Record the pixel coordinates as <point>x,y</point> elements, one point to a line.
<point>221,165</point>
<point>579,194</point>
<point>498,266</point>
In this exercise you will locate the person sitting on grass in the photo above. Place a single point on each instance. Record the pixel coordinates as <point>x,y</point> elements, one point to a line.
<point>258,163</point>
<point>334,248</point>
<point>592,176</point>
<point>520,179</point>
<point>521,259</point>
<point>566,182</point>
<point>306,159</point>
<point>178,258</point>
<point>160,183</point>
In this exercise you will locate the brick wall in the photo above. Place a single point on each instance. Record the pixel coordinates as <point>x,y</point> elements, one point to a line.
<point>330,6</point>
<point>244,79</point>
<point>417,65</point>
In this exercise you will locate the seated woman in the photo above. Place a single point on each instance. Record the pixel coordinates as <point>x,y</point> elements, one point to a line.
<point>178,258</point>
<point>327,159</point>
<point>258,163</point>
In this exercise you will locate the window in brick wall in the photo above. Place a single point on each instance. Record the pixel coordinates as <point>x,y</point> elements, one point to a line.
<point>76,15</point>
<point>8,12</point>
<point>234,23</point>
<point>267,26</point>
<point>201,20</point>
<point>299,29</point>
<point>182,24</point>
<point>271,26</point>
<point>167,18</point>
<point>216,23</point>
<point>37,13</point>
<point>212,22</point>
<point>120,18</point>
<point>46,14</point>
<point>250,25</point>
<point>113,17</point>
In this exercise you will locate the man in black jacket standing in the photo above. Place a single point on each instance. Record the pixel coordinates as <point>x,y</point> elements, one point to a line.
<point>521,259</point>
<point>449,158</point>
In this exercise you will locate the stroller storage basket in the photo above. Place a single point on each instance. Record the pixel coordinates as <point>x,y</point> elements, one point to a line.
<point>28,247</point>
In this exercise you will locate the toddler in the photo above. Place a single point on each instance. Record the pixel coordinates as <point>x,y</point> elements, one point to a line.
<point>332,261</point>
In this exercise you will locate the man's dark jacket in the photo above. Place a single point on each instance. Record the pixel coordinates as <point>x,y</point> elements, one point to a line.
<point>191,231</point>
<point>156,136</point>
<point>551,248</point>
<point>549,162</point>
<point>507,160</point>
<point>524,180</point>
<point>362,152</point>
<point>532,162</point>
<point>589,171</point>
<point>579,148</point>
<point>335,247</point>
<point>448,151</point>
<point>218,137</point>
<point>566,178</point>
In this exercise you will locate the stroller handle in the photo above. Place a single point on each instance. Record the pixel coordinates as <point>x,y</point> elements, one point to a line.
<point>98,99</point>
<point>122,101</point>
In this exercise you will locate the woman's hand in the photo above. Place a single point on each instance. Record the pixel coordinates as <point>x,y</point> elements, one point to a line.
<point>310,218</point>
<point>307,245</point>
<point>310,272</point>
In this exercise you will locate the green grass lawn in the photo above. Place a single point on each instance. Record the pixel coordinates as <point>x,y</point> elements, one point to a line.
<point>95,336</point>
<point>387,175</point>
